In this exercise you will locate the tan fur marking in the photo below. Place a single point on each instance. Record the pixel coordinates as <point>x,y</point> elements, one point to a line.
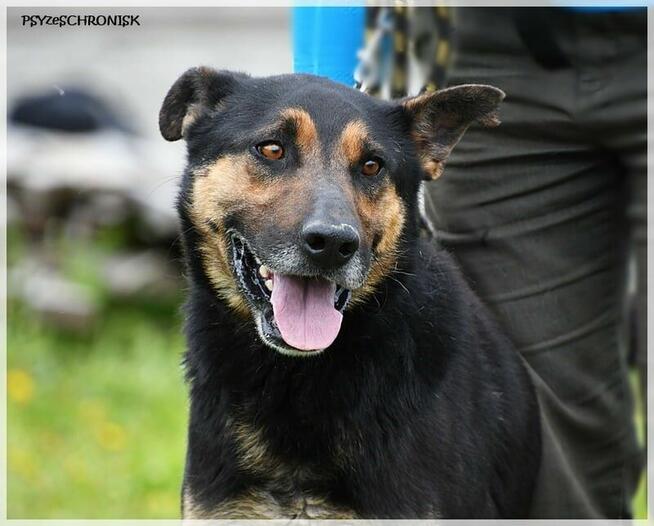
<point>422,135</point>
<point>231,185</point>
<point>190,509</point>
<point>254,455</point>
<point>259,504</point>
<point>287,480</point>
<point>417,103</point>
<point>353,140</point>
<point>431,156</point>
<point>382,219</point>
<point>305,131</point>
<point>215,192</point>
<point>432,167</point>
<point>251,505</point>
<point>317,507</point>
<point>382,216</point>
<point>192,113</point>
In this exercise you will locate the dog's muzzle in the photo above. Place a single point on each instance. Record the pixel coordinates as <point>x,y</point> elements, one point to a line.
<point>295,313</point>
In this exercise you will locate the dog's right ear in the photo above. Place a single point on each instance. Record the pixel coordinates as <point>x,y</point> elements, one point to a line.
<point>439,120</point>
<point>197,92</point>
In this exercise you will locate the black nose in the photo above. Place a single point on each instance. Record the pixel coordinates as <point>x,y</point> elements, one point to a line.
<point>330,245</point>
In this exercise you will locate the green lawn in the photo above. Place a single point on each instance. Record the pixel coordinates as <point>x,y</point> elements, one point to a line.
<point>96,423</point>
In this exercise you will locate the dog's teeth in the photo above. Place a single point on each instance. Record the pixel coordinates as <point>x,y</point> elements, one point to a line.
<point>269,285</point>
<point>264,271</point>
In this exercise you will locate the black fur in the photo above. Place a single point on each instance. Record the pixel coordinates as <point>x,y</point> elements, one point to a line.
<point>421,392</point>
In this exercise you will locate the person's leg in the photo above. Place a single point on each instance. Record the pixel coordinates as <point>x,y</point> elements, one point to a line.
<point>616,117</point>
<point>532,212</point>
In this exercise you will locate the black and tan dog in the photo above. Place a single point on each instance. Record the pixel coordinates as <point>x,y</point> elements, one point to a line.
<point>338,365</point>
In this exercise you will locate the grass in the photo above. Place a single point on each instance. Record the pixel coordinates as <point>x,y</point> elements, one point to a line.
<point>640,498</point>
<point>96,424</point>
<point>96,420</point>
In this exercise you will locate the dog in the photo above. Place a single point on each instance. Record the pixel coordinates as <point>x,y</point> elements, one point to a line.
<point>339,365</point>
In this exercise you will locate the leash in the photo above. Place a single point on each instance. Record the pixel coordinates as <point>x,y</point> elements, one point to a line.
<point>406,53</point>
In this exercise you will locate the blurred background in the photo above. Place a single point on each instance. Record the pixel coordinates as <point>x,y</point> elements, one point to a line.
<point>96,401</point>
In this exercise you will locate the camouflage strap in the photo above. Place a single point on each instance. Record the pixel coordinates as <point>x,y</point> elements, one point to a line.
<point>402,43</point>
<point>400,73</point>
<point>443,25</point>
<point>406,52</point>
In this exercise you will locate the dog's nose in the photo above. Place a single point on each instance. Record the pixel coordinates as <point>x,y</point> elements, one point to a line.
<point>330,245</point>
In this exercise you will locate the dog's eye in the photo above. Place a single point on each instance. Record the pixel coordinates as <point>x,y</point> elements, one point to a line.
<point>372,167</point>
<point>271,150</point>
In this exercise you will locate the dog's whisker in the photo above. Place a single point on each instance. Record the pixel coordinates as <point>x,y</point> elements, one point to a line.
<point>400,284</point>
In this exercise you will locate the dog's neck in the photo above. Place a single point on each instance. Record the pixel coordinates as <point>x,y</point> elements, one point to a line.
<point>241,384</point>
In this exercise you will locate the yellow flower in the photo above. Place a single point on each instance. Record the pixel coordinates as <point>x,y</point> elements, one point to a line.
<point>111,436</point>
<point>22,462</point>
<point>160,503</point>
<point>20,386</point>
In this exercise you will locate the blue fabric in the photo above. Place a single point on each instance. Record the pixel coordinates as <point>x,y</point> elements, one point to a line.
<point>326,39</point>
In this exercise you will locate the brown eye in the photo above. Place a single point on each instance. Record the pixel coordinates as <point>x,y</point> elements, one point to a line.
<point>371,167</point>
<point>271,150</point>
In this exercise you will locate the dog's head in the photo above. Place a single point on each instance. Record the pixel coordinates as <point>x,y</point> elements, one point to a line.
<point>300,192</point>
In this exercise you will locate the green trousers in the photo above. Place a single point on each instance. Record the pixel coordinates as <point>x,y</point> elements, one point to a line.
<point>545,214</point>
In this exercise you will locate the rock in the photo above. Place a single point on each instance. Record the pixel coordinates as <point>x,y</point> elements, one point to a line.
<point>141,274</point>
<point>55,299</point>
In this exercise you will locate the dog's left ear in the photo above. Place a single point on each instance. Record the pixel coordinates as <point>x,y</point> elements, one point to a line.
<point>197,92</point>
<point>439,120</point>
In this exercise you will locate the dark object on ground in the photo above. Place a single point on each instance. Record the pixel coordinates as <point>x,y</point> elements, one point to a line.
<point>70,110</point>
<point>338,365</point>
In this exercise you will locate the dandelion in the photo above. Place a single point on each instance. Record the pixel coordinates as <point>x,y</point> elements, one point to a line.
<point>157,502</point>
<point>22,463</point>
<point>20,386</point>
<point>110,436</point>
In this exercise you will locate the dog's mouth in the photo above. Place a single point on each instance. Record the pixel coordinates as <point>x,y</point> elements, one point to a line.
<point>294,314</point>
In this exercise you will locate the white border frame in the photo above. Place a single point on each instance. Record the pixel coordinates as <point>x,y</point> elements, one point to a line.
<point>4,4</point>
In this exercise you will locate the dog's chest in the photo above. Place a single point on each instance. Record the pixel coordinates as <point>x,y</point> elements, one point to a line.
<point>257,503</point>
<point>288,488</point>
<point>283,489</point>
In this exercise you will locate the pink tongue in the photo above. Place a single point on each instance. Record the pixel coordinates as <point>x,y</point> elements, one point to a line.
<point>304,311</point>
